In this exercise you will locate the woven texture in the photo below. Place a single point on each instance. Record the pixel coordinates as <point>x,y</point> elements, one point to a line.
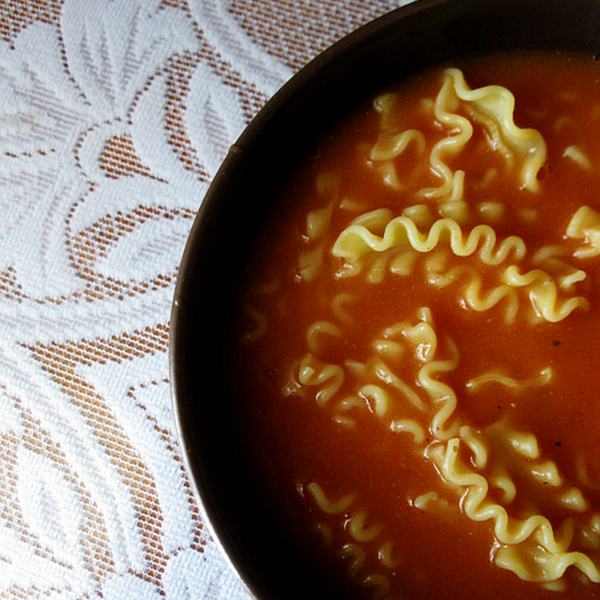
<point>114,117</point>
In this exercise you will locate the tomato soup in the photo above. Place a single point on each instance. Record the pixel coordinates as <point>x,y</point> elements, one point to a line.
<point>418,338</point>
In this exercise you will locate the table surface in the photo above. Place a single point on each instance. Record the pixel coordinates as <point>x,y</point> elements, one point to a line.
<point>114,117</point>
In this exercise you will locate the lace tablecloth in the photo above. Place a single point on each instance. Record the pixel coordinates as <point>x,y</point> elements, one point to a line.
<point>114,117</point>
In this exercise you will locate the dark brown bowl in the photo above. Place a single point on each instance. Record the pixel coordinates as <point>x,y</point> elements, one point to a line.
<point>393,47</point>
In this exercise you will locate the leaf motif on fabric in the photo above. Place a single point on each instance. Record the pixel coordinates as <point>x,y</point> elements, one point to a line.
<point>36,195</point>
<point>42,111</point>
<point>129,395</point>
<point>153,143</point>
<point>214,117</point>
<point>128,586</point>
<point>114,47</point>
<point>186,576</point>
<point>152,249</point>
<point>85,456</point>
<point>51,506</point>
<point>256,65</point>
<point>11,414</point>
<point>120,196</point>
<point>21,565</point>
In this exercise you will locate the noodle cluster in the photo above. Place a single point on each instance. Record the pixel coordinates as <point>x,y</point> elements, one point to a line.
<point>452,237</point>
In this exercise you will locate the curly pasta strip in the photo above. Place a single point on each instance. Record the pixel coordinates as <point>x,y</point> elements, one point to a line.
<point>476,442</point>
<point>548,566</point>
<point>319,329</point>
<point>544,377</point>
<point>549,259</point>
<point>378,398</point>
<point>383,373</point>
<point>543,293</point>
<point>356,241</point>
<point>460,132</point>
<point>356,555</point>
<point>585,225</point>
<point>325,504</point>
<point>385,555</point>
<point>409,426</point>
<point>438,391</point>
<point>494,106</point>
<point>511,531</point>
<point>487,301</point>
<point>390,146</point>
<point>313,372</point>
<point>379,584</point>
<point>360,531</point>
<point>501,479</point>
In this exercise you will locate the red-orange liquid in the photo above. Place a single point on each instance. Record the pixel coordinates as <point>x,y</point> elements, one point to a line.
<point>294,441</point>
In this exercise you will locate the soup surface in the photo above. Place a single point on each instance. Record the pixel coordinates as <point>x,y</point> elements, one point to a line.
<point>419,338</point>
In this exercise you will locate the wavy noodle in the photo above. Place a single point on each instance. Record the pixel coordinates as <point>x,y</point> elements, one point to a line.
<point>429,501</point>
<point>585,225</point>
<point>361,536</point>
<point>356,241</point>
<point>403,263</point>
<point>477,443</point>
<point>319,329</point>
<point>423,338</point>
<point>315,373</point>
<point>338,306</point>
<point>420,214</point>
<point>318,221</point>
<point>376,397</point>
<point>577,155</point>
<point>550,259</point>
<point>488,300</point>
<point>346,405</point>
<point>551,547</point>
<point>543,293</point>
<point>405,372</point>
<point>501,479</point>
<point>441,393</point>
<point>356,555</point>
<point>379,583</point>
<point>383,372</point>
<point>524,443</point>
<point>544,377</point>
<point>547,473</point>
<point>325,504</point>
<point>361,532</point>
<point>575,501</point>
<point>438,274</point>
<point>389,175</point>
<point>409,426</point>
<point>494,106</point>
<point>457,210</point>
<point>326,533</point>
<point>478,508</point>
<point>491,211</point>
<point>460,132</point>
<point>385,555</point>
<point>310,263</point>
<point>385,105</point>
<point>389,146</point>
<point>389,349</point>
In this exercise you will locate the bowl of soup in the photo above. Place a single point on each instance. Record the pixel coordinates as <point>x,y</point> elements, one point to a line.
<point>386,328</point>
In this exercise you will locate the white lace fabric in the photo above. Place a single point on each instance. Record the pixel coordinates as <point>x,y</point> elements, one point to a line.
<point>114,117</point>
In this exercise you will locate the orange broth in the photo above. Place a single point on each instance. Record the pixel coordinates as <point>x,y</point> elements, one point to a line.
<point>295,439</point>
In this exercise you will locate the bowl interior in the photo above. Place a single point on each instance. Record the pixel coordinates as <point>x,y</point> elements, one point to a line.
<point>397,45</point>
